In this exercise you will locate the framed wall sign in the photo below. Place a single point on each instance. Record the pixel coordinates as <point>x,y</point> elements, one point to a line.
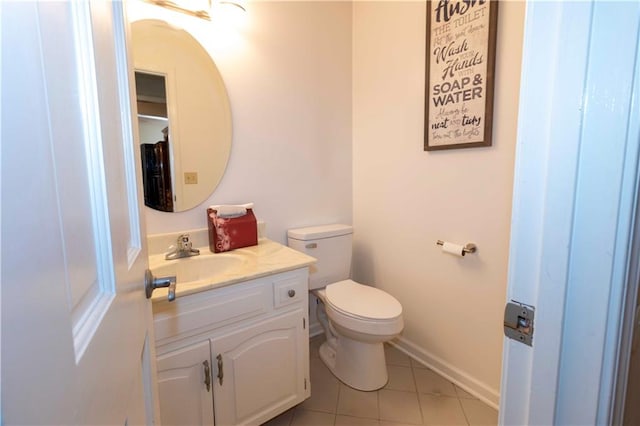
<point>461,48</point>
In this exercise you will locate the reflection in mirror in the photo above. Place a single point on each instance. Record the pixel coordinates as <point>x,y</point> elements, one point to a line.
<point>153,124</point>
<point>178,83</point>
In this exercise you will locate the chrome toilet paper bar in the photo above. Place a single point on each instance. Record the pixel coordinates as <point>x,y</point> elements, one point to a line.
<point>468,248</point>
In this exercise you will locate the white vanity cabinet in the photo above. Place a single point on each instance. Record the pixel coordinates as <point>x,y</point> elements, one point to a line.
<point>234,355</point>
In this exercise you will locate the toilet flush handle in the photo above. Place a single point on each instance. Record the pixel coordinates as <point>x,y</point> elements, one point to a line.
<point>311,245</point>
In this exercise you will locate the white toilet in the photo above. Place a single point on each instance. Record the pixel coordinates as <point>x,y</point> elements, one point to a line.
<point>360,318</point>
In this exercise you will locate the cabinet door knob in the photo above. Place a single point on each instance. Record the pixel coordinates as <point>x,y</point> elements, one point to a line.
<point>291,293</point>
<point>220,371</point>
<point>207,375</point>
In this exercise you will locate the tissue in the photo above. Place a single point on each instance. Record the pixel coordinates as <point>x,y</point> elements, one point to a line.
<point>454,249</point>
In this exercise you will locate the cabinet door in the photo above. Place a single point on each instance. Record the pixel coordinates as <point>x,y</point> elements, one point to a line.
<point>182,386</point>
<point>262,370</point>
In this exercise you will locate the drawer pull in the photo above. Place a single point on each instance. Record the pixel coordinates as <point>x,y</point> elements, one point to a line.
<point>220,366</point>
<point>291,293</point>
<point>207,375</point>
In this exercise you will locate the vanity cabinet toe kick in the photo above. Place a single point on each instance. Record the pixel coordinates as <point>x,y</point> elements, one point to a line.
<point>234,355</point>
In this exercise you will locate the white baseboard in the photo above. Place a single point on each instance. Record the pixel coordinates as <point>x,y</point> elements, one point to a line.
<point>476,388</point>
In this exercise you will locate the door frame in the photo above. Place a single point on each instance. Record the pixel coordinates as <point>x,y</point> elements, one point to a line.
<point>574,205</point>
<point>628,324</point>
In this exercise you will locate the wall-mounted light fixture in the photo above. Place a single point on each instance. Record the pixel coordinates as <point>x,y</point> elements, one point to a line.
<point>198,8</point>
<point>239,4</point>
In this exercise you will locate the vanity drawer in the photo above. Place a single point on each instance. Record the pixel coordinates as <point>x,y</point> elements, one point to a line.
<point>212,309</point>
<point>289,291</point>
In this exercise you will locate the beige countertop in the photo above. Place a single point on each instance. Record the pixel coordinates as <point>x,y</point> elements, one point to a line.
<point>212,270</point>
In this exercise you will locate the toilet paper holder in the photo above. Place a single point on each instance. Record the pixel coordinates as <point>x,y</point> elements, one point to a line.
<point>468,248</point>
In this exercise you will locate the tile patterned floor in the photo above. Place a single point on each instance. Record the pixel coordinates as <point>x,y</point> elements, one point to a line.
<point>414,395</point>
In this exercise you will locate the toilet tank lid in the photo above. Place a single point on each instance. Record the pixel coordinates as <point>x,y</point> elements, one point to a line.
<point>318,232</point>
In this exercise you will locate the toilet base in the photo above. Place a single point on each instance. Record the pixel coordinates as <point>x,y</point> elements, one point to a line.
<point>359,365</point>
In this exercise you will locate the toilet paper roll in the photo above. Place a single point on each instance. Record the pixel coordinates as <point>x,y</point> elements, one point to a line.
<point>454,249</point>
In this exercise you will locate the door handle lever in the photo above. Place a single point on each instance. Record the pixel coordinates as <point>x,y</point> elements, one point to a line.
<point>151,283</point>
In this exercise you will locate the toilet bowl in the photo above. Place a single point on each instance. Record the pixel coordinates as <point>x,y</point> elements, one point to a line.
<point>357,319</point>
<point>363,312</point>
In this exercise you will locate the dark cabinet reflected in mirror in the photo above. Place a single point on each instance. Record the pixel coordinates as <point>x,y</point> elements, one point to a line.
<point>184,117</point>
<point>153,124</point>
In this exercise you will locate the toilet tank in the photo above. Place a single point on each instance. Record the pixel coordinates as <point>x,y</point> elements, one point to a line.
<point>330,245</point>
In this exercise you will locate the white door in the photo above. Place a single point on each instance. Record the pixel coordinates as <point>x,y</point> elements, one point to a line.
<point>576,179</point>
<point>75,344</point>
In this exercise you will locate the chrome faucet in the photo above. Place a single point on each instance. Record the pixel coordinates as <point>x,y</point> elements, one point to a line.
<point>183,249</point>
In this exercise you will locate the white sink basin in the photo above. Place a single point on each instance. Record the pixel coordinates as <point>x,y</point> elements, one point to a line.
<point>197,268</point>
<point>211,270</point>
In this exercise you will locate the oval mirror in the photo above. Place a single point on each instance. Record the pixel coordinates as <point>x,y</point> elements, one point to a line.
<point>184,117</point>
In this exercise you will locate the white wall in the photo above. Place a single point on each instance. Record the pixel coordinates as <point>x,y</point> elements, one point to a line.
<point>404,199</point>
<point>287,70</point>
<point>291,74</point>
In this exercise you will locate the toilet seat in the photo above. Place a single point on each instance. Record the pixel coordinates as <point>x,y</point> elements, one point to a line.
<point>362,301</point>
